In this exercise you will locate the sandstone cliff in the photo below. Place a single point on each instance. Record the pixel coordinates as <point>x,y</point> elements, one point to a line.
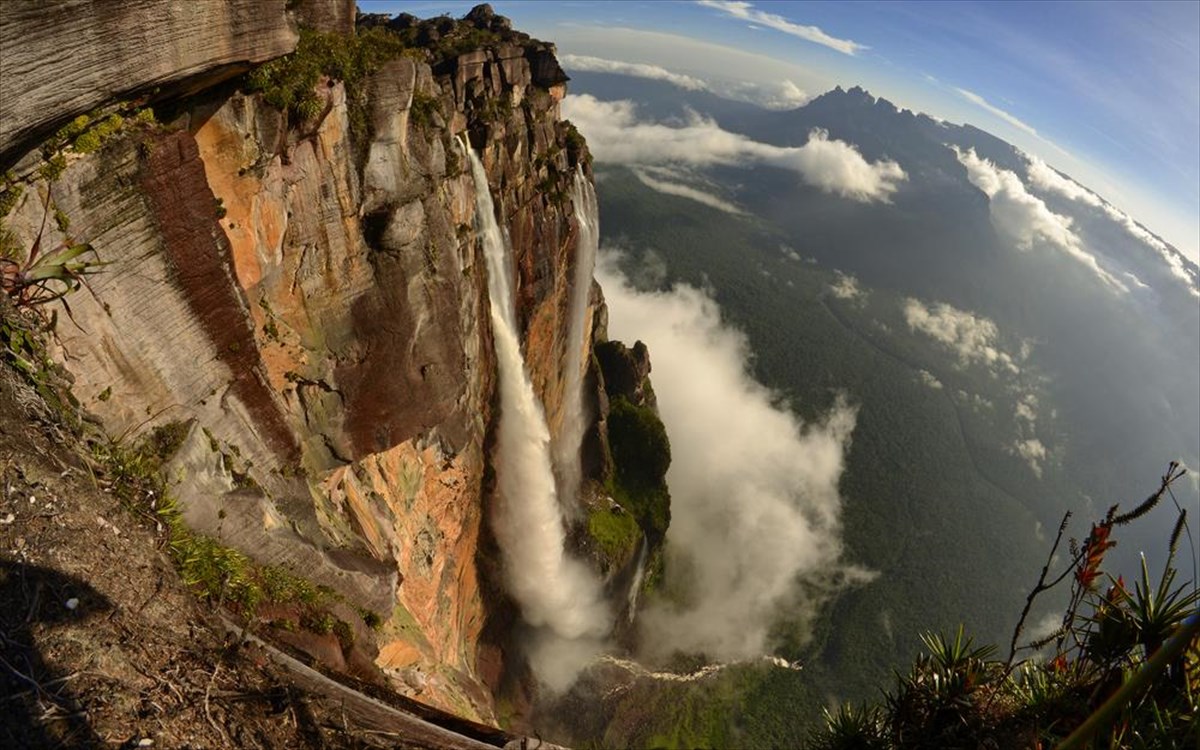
<point>300,291</point>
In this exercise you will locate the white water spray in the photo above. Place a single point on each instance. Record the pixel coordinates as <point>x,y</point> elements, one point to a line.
<point>575,416</point>
<point>635,586</point>
<point>554,591</point>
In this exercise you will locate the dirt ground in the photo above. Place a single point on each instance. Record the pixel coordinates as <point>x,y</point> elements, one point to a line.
<point>101,645</point>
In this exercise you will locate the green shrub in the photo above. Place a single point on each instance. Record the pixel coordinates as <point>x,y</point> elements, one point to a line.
<point>218,573</point>
<point>289,83</point>
<point>616,533</point>
<point>1124,670</point>
<point>641,454</point>
<point>639,443</point>
<point>9,197</point>
<point>422,109</point>
<point>53,167</point>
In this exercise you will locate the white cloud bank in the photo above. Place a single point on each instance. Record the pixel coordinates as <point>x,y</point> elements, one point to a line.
<point>1025,218</point>
<point>615,135</point>
<point>754,491</point>
<point>1044,177</point>
<point>747,12</point>
<point>778,95</point>
<point>973,338</point>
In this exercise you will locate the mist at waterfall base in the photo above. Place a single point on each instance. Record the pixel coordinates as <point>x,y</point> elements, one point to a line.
<point>559,596</point>
<point>755,513</point>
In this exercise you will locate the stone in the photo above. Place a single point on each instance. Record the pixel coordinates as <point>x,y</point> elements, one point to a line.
<point>104,51</point>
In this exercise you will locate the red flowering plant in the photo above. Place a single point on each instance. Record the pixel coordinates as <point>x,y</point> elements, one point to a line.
<point>1124,669</point>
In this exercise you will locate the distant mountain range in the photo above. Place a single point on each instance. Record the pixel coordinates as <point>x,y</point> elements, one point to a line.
<point>1111,310</point>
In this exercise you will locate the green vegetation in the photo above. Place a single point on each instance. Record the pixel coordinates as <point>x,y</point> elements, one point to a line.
<point>463,38</point>
<point>641,454</point>
<point>10,192</point>
<point>616,532</point>
<point>215,572</point>
<point>576,144</point>
<point>497,109</point>
<point>1124,670</point>
<point>32,278</point>
<point>290,83</point>
<point>89,132</point>
<point>422,109</point>
<point>22,347</point>
<point>926,475</point>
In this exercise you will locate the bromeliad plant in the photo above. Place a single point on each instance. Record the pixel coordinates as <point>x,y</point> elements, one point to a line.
<point>45,276</point>
<point>1124,670</point>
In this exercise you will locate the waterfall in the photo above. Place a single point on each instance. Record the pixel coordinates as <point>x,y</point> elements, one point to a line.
<point>575,416</point>
<point>553,590</point>
<point>635,585</point>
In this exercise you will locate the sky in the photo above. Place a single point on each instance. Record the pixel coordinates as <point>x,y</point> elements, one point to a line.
<point>1107,92</point>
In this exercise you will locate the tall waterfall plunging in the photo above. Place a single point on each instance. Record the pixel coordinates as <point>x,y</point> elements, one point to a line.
<point>553,590</point>
<point>575,418</point>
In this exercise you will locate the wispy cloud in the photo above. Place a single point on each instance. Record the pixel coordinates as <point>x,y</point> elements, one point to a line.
<point>1025,218</point>
<point>616,135</point>
<point>639,70</point>
<point>775,94</point>
<point>1008,117</point>
<point>747,12</point>
<point>680,190</point>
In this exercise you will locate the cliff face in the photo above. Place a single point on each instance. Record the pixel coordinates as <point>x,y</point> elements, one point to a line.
<point>64,59</point>
<point>308,297</point>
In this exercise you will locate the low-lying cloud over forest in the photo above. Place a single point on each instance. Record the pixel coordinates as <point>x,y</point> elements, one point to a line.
<point>615,134</point>
<point>754,489</point>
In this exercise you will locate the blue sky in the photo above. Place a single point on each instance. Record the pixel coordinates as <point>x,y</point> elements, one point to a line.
<point>1107,92</point>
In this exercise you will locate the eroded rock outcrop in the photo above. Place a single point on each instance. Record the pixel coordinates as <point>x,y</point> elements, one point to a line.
<point>307,297</point>
<point>66,58</point>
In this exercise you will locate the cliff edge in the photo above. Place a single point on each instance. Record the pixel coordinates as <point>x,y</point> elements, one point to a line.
<point>284,277</point>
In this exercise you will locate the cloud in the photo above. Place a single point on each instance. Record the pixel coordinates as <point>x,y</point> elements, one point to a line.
<point>638,70</point>
<point>929,379</point>
<point>747,12</point>
<point>974,339</point>
<point>1008,117</point>
<point>684,191</point>
<point>777,95</point>
<point>1044,177</point>
<point>615,135</point>
<point>846,287</point>
<point>1027,445</point>
<point>1032,451</point>
<point>979,101</point>
<point>1027,408</point>
<point>1025,218</point>
<point>754,490</point>
<point>781,94</point>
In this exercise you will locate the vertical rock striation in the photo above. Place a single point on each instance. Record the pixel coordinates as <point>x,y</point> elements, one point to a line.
<point>307,295</point>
